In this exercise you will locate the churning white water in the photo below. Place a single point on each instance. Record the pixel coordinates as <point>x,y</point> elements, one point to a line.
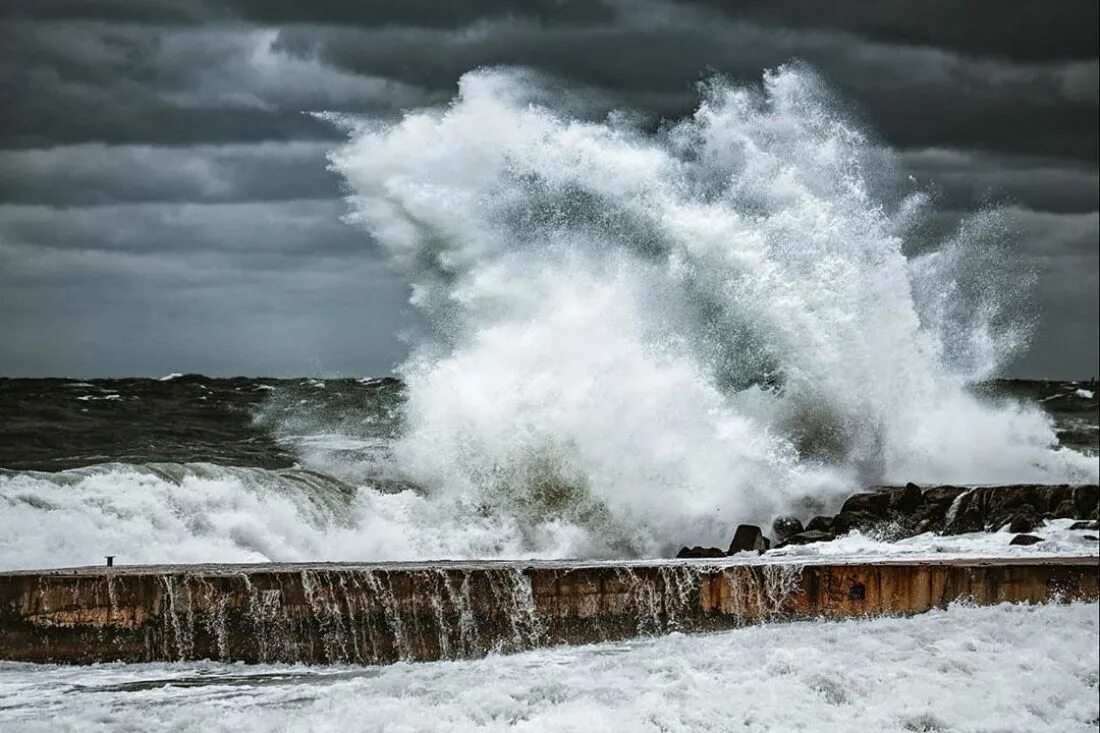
<point>1006,668</point>
<point>635,340</point>
<point>648,335</point>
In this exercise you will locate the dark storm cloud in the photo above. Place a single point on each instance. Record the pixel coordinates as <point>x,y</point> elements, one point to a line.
<point>1024,29</point>
<point>91,82</point>
<point>968,180</point>
<point>155,154</point>
<point>915,95</point>
<point>255,230</point>
<point>95,174</point>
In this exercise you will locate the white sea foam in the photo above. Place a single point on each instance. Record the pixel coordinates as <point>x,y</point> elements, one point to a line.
<point>647,335</point>
<point>173,513</point>
<point>1006,668</point>
<point>179,513</point>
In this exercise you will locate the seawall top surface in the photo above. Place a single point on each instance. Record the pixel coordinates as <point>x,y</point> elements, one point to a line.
<point>1091,560</point>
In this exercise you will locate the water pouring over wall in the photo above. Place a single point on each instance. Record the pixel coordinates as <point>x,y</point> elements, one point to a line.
<point>386,613</point>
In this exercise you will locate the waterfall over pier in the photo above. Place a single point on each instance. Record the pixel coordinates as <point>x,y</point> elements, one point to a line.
<point>381,613</point>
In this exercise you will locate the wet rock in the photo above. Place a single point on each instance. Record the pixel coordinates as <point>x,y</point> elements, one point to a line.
<point>784,527</point>
<point>820,524</point>
<point>1065,508</point>
<point>808,537</point>
<point>748,538</point>
<point>1086,501</point>
<point>1085,525</point>
<point>845,522</point>
<point>908,499</point>
<point>699,552</point>
<point>983,507</point>
<point>1025,539</point>
<point>874,503</point>
<point>1023,521</point>
<point>1094,538</point>
<point>1022,524</point>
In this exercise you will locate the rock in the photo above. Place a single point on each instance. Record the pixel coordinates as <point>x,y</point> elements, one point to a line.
<point>1023,521</point>
<point>1065,508</point>
<point>908,499</point>
<point>748,538</point>
<point>874,503</point>
<point>1092,537</point>
<point>1025,539</point>
<point>845,522</point>
<point>784,527</point>
<point>1022,524</point>
<point>699,552</point>
<point>1086,501</point>
<point>1085,525</point>
<point>984,507</point>
<point>821,524</point>
<point>808,537</point>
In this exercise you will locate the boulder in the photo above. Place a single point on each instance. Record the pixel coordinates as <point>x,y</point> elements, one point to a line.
<point>1023,522</point>
<point>699,552</point>
<point>1086,501</point>
<point>820,524</point>
<point>1025,539</point>
<point>908,499</point>
<point>1093,525</point>
<point>874,503</point>
<point>808,537</point>
<point>845,522</point>
<point>748,538</point>
<point>784,527</point>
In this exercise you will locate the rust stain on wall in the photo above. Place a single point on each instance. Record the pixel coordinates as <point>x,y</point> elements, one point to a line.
<point>382,613</point>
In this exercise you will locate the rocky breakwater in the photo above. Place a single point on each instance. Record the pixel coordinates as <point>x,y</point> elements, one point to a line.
<point>896,512</point>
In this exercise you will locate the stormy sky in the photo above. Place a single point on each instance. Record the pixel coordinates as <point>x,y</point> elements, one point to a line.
<point>165,205</point>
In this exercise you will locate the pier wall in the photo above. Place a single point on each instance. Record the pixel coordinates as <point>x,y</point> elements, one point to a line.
<point>343,613</point>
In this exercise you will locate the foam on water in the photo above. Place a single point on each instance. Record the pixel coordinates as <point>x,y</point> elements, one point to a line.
<point>1036,667</point>
<point>179,513</point>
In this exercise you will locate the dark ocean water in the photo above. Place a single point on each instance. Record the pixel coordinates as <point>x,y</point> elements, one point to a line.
<point>54,424</point>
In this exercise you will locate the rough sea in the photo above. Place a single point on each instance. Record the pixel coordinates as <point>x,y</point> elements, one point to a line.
<point>629,340</point>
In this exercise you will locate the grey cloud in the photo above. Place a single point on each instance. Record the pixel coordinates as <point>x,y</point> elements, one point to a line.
<point>125,314</point>
<point>311,228</point>
<point>916,96</point>
<point>85,82</point>
<point>1030,29</point>
<point>1063,250</point>
<point>968,180</point>
<point>96,174</point>
<point>1023,29</point>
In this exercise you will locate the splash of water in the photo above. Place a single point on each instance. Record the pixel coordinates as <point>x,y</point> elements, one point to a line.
<point>647,336</point>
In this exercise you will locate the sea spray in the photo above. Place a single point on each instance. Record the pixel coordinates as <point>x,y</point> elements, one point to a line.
<point>647,337</point>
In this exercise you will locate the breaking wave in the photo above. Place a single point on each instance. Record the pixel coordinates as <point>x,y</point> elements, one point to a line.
<point>634,340</point>
<point>650,335</point>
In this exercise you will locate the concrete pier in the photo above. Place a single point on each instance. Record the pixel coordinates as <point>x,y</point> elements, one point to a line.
<point>379,613</point>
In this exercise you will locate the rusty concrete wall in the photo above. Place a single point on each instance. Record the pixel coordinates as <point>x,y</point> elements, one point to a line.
<point>382,613</point>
